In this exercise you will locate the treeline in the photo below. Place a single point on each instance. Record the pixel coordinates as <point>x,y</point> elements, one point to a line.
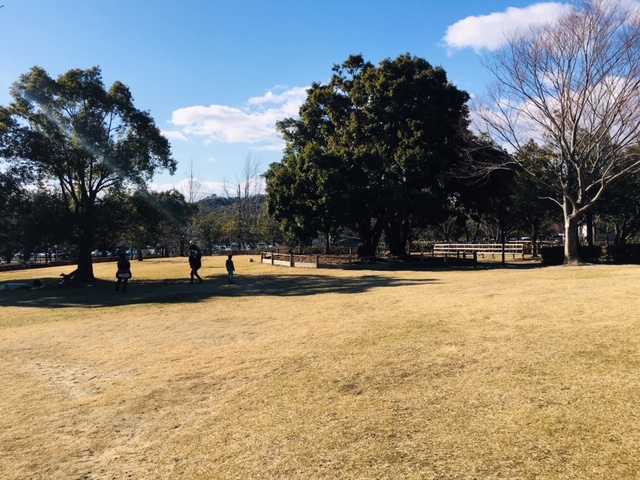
<point>37,221</point>
<point>241,220</point>
<point>382,153</point>
<point>385,153</point>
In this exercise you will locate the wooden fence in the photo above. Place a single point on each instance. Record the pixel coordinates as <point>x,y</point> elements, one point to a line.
<point>468,252</point>
<point>461,250</point>
<point>301,261</point>
<point>320,261</point>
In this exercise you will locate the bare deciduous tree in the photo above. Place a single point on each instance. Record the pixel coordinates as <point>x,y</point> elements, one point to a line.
<point>248,186</point>
<point>572,85</point>
<point>194,185</point>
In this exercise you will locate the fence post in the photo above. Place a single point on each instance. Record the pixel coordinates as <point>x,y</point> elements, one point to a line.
<point>291,262</point>
<point>317,261</point>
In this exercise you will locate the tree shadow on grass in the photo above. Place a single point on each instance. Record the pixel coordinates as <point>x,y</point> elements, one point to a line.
<point>174,291</point>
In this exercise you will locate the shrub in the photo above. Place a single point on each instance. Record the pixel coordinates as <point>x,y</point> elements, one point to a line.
<point>628,253</point>
<point>555,255</point>
<point>552,255</point>
<point>590,254</point>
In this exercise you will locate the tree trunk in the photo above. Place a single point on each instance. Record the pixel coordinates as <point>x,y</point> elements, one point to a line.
<point>369,238</point>
<point>589,219</point>
<point>367,249</point>
<point>85,245</point>
<point>395,241</point>
<point>534,240</point>
<point>85,263</point>
<point>571,255</point>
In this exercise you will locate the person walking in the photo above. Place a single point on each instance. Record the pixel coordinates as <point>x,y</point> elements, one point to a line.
<point>123,274</point>
<point>195,261</point>
<point>230,269</point>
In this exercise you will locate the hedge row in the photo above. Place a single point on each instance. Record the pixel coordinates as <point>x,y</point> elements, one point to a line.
<point>596,254</point>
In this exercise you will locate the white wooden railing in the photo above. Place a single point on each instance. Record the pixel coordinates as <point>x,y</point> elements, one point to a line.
<point>479,249</point>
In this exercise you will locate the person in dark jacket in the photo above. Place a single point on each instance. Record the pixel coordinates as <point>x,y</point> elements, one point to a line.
<point>124,272</point>
<point>230,269</point>
<point>195,261</point>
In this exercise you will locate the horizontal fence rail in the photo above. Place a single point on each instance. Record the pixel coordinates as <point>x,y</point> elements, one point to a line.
<point>320,261</point>
<point>466,252</point>
<point>304,261</point>
<point>479,249</point>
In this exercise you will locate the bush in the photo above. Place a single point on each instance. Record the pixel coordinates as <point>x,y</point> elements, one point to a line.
<point>552,255</point>
<point>555,255</point>
<point>623,253</point>
<point>590,254</point>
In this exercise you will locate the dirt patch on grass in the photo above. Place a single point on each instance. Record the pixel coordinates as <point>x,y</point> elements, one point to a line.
<point>322,374</point>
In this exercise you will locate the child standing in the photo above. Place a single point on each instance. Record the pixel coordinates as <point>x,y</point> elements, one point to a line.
<point>230,269</point>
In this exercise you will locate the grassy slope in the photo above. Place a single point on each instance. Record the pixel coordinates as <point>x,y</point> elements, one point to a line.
<point>516,373</point>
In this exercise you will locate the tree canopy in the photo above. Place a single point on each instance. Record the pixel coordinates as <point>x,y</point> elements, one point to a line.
<point>369,151</point>
<point>85,139</point>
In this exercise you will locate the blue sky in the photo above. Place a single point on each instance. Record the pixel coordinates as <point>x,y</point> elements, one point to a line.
<point>216,75</point>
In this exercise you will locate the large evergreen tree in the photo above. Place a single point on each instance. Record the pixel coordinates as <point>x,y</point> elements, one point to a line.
<point>369,151</point>
<point>84,138</point>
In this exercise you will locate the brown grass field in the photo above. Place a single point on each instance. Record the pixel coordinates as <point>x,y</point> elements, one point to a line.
<point>488,373</point>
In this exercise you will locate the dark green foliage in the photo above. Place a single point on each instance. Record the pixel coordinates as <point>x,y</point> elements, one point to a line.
<point>243,220</point>
<point>87,139</point>
<point>159,218</point>
<point>13,205</point>
<point>45,222</point>
<point>370,153</point>
<point>590,254</point>
<point>555,255</point>
<point>624,253</point>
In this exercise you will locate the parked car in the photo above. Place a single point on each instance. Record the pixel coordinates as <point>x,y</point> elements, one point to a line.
<point>149,250</point>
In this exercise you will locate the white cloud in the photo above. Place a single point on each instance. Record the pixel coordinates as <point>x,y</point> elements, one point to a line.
<point>174,135</point>
<point>253,124</point>
<point>490,31</point>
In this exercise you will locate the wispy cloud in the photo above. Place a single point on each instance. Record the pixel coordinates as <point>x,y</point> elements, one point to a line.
<point>253,123</point>
<point>491,31</point>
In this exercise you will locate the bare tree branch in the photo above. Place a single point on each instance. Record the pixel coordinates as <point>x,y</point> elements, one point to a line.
<point>573,86</point>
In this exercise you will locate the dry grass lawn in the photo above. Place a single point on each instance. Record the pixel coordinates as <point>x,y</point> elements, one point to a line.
<point>518,373</point>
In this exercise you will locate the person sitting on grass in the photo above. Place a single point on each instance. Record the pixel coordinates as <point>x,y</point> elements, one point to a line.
<point>69,278</point>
